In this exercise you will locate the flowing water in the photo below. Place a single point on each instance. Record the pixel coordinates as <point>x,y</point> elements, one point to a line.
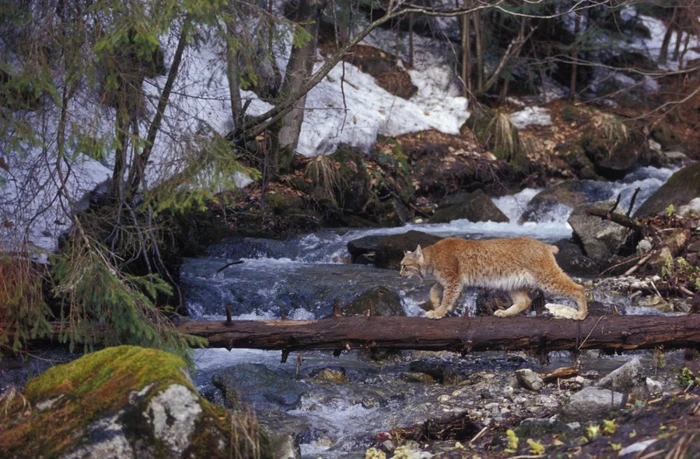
<point>300,277</point>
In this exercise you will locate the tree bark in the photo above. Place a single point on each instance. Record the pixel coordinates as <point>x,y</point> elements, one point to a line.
<point>574,57</point>
<point>454,334</point>
<point>663,54</point>
<point>138,166</point>
<point>299,69</point>
<point>478,43</point>
<point>232,71</point>
<point>466,52</point>
<point>410,40</point>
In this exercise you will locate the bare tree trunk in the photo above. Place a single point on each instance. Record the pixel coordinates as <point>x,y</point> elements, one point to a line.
<point>138,165</point>
<point>410,40</point>
<point>299,68</point>
<point>478,42</point>
<point>398,41</point>
<point>685,50</point>
<point>574,57</point>
<point>677,48</point>
<point>466,52</point>
<point>232,71</point>
<point>663,54</point>
<point>513,50</point>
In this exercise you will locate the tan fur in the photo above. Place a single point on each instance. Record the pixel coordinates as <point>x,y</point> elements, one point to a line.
<point>514,265</point>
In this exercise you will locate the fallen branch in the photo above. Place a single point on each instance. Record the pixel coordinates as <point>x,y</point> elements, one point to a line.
<point>454,334</point>
<point>620,219</point>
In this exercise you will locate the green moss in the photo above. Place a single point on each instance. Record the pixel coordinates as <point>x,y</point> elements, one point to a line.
<point>88,388</point>
<point>571,114</point>
<point>96,385</point>
<point>665,136</point>
<point>284,204</point>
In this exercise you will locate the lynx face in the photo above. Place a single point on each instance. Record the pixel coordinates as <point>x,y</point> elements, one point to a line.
<point>411,264</point>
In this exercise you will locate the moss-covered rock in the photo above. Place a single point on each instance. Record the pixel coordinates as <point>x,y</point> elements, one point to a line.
<point>354,183</point>
<point>125,401</point>
<point>668,139</point>
<point>614,157</point>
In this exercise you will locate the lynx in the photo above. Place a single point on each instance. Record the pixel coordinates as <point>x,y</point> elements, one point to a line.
<point>514,265</point>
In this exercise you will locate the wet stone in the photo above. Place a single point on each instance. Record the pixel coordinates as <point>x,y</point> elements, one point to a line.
<point>332,376</point>
<point>529,379</point>
<point>255,384</point>
<point>625,378</point>
<point>591,403</point>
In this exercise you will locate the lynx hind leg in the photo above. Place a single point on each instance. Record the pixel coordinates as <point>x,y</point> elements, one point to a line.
<point>435,291</point>
<point>450,295</point>
<point>561,284</point>
<point>521,301</point>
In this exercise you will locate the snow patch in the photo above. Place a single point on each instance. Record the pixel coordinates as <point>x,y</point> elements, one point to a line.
<point>539,116</point>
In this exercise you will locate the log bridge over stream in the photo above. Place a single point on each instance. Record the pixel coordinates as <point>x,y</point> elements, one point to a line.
<point>458,334</point>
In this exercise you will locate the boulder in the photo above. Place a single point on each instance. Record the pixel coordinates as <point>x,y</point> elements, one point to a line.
<point>254,384</point>
<point>567,194</point>
<point>390,250</point>
<point>692,209</point>
<point>475,207</point>
<point>123,401</point>
<point>601,239</point>
<point>614,157</point>
<point>680,189</point>
<point>572,260</point>
<point>362,250</point>
<point>591,403</point>
<point>625,378</point>
<point>380,301</point>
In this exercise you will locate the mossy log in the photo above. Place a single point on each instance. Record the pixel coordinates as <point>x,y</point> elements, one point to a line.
<point>613,333</point>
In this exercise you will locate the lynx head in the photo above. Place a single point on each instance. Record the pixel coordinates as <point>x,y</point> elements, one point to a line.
<point>412,263</point>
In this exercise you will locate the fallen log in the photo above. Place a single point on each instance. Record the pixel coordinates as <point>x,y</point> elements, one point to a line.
<point>615,333</point>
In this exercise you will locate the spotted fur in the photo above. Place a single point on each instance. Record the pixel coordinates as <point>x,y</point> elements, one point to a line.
<point>514,265</point>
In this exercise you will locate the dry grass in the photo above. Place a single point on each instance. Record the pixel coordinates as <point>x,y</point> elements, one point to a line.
<point>324,172</point>
<point>610,128</point>
<point>244,441</point>
<point>531,145</point>
<point>21,299</point>
<point>504,135</point>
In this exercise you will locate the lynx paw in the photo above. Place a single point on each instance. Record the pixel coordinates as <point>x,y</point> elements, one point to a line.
<point>559,311</point>
<point>437,314</point>
<point>500,313</point>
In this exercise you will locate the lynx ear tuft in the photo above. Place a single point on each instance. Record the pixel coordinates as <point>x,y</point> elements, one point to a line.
<point>419,252</point>
<point>406,252</point>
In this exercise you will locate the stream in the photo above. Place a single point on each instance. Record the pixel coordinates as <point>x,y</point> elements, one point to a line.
<point>300,278</point>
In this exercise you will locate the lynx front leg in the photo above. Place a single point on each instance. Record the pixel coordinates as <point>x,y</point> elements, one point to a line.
<point>521,301</point>
<point>450,295</point>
